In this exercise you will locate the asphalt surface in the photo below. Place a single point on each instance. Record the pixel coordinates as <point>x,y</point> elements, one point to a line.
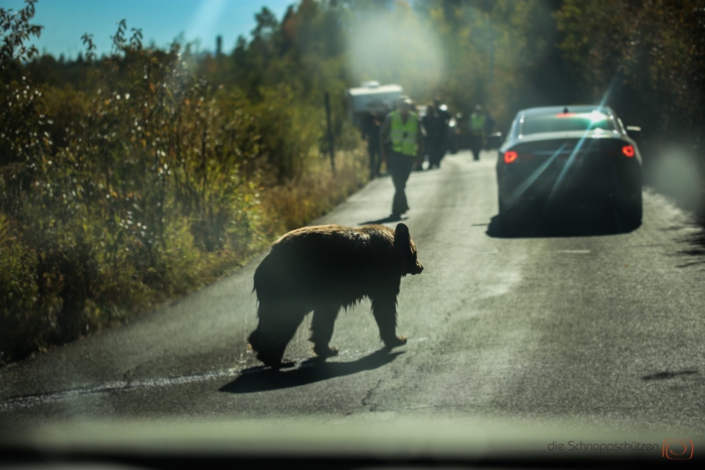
<point>586,324</point>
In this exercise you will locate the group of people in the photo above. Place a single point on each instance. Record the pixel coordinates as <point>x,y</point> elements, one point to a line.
<point>401,139</point>
<point>436,123</point>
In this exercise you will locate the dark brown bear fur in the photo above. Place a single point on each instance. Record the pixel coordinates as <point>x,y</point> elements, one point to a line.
<point>325,268</point>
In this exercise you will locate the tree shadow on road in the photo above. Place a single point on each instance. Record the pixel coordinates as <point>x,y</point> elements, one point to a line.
<point>561,222</point>
<point>665,375</point>
<point>313,370</point>
<point>386,220</point>
<point>696,245</point>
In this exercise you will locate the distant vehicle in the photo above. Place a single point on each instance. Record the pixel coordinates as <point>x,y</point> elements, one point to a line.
<point>570,154</point>
<point>372,97</point>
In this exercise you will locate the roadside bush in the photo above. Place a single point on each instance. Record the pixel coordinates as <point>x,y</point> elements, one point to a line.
<point>132,178</point>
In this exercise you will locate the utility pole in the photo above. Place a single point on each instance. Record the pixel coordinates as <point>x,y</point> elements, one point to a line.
<point>491,48</point>
<point>331,146</point>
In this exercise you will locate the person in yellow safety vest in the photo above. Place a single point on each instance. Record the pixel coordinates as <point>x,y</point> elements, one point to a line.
<point>478,126</point>
<point>405,132</point>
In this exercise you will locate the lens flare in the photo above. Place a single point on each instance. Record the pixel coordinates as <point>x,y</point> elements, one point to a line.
<point>205,19</point>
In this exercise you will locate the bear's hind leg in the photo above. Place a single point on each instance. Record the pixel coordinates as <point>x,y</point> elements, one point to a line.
<point>322,330</point>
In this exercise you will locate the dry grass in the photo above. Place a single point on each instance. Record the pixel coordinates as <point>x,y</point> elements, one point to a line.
<point>299,202</point>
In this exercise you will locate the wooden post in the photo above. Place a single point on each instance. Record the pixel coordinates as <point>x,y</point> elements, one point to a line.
<point>331,145</point>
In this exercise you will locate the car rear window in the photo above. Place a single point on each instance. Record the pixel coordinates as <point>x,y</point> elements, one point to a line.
<point>566,122</point>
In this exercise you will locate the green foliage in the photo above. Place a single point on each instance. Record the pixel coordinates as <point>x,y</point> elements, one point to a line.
<point>15,30</point>
<point>490,51</point>
<point>466,52</point>
<point>140,175</point>
<point>656,49</point>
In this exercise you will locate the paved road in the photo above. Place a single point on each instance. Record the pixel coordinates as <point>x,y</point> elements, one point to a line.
<point>605,330</point>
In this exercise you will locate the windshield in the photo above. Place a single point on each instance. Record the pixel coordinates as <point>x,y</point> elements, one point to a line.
<point>567,122</point>
<point>312,225</point>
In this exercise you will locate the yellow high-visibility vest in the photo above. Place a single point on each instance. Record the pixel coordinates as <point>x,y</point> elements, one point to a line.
<point>477,124</point>
<point>404,134</point>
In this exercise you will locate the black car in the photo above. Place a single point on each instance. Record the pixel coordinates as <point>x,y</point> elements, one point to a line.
<point>568,155</point>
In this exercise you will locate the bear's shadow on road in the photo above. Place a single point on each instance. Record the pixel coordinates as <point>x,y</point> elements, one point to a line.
<point>260,379</point>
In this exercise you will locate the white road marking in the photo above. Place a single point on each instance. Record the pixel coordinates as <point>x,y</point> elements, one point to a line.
<point>26,401</point>
<point>108,387</point>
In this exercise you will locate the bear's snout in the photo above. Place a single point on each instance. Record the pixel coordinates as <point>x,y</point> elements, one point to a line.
<point>418,268</point>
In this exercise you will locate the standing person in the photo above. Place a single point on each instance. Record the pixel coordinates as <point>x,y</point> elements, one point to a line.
<point>433,125</point>
<point>489,126</point>
<point>405,133</point>
<point>478,120</point>
<point>445,126</point>
<point>387,143</point>
<point>373,125</point>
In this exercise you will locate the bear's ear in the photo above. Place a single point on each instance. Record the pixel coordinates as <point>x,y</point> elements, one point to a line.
<point>401,236</point>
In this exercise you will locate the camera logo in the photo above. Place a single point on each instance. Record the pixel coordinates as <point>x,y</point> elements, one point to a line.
<point>677,449</point>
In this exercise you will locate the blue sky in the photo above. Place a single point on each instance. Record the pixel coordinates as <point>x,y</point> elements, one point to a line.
<point>65,21</point>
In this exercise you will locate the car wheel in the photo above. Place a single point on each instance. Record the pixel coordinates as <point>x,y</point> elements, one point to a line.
<point>634,210</point>
<point>502,206</point>
<point>504,222</point>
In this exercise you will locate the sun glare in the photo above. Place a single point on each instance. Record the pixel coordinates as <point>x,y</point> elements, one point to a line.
<point>205,19</point>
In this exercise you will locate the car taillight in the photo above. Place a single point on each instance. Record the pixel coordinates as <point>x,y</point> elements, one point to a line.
<point>510,156</point>
<point>628,151</point>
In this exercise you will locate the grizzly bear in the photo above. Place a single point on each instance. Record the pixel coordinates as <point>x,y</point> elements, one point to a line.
<point>322,269</point>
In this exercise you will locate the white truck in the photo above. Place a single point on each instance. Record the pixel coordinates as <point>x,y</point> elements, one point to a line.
<point>371,97</point>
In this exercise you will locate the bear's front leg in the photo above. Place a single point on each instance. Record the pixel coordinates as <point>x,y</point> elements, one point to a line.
<point>277,326</point>
<point>384,309</point>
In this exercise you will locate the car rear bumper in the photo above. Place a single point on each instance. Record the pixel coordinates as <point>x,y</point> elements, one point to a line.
<point>523,184</point>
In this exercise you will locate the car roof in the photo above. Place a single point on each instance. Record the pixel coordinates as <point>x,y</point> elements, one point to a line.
<point>582,108</point>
